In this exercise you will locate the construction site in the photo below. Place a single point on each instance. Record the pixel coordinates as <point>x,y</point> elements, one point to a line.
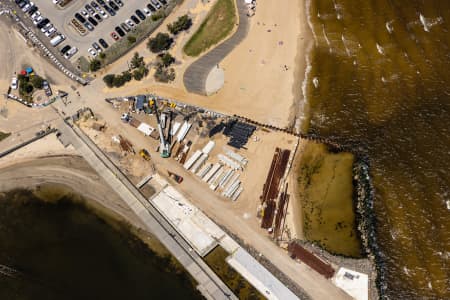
<point>234,163</point>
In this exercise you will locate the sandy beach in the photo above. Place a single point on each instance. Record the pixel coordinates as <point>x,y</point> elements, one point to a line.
<point>263,75</point>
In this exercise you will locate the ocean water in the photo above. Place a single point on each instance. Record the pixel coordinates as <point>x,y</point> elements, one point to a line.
<point>62,250</point>
<point>378,77</point>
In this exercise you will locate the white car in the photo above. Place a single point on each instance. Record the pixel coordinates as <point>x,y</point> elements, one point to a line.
<point>46,27</point>
<point>84,13</point>
<point>56,1</point>
<point>35,15</point>
<point>50,31</point>
<point>102,13</point>
<point>129,22</point>
<point>147,11</point>
<point>27,6</point>
<point>93,52</point>
<point>38,19</point>
<point>14,83</point>
<point>71,52</point>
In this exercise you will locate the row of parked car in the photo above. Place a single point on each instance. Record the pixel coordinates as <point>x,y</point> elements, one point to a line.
<point>123,28</point>
<point>44,25</point>
<point>140,15</point>
<point>93,13</point>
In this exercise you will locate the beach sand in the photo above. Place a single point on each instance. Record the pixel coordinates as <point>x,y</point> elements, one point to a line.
<point>263,74</point>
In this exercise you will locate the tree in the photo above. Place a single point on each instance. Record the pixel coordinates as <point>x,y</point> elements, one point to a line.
<point>119,81</point>
<point>140,73</point>
<point>157,16</point>
<point>162,41</point>
<point>109,80</point>
<point>126,76</point>
<point>164,74</point>
<point>137,61</point>
<point>102,55</point>
<point>167,59</point>
<point>95,65</point>
<point>131,39</point>
<point>183,23</point>
<point>37,81</point>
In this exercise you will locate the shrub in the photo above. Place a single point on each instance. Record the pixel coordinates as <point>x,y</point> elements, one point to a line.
<point>157,16</point>
<point>140,73</point>
<point>163,74</point>
<point>126,76</point>
<point>36,81</point>
<point>131,39</point>
<point>183,23</point>
<point>119,81</point>
<point>109,80</point>
<point>95,65</point>
<point>137,61</point>
<point>102,55</point>
<point>162,41</point>
<point>167,59</point>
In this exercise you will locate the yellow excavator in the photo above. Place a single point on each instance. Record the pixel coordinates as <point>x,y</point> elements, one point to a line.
<point>144,154</point>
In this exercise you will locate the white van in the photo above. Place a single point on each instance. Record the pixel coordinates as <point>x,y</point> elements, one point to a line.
<point>57,40</point>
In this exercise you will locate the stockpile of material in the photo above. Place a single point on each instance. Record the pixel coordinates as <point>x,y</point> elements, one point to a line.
<point>239,133</point>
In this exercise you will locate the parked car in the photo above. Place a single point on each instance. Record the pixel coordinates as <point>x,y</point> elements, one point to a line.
<point>27,6</point>
<point>71,52</point>
<point>92,20</point>
<point>88,26</point>
<point>163,2</point>
<point>96,47</point>
<point>97,17</point>
<point>89,9</point>
<point>84,13</point>
<point>92,52</point>
<point>125,27</point>
<point>32,10</point>
<point>113,5</point>
<point>103,14</point>
<point>109,10</point>
<point>135,20</point>
<point>80,18</point>
<point>119,31</point>
<point>65,49</point>
<point>46,87</point>
<point>50,32</point>
<point>46,27</point>
<point>147,11</point>
<point>119,2</point>
<point>156,4</point>
<point>140,14</point>
<point>14,83</point>
<point>114,36</point>
<point>149,6</point>
<point>35,15</point>
<point>101,2</point>
<point>38,19</point>
<point>103,43</point>
<point>129,23</point>
<point>43,23</point>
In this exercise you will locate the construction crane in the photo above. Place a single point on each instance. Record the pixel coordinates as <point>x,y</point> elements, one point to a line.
<point>164,148</point>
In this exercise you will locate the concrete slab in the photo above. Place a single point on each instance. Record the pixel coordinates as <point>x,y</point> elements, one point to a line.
<point>214,81</point>
<point>354,283</point>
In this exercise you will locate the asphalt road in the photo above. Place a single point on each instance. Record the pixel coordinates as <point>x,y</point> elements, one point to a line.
<point>194,77</point>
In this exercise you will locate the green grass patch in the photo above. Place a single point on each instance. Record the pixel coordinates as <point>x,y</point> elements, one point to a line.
<point>326,195</point>
<point>217,26</point>
<point>4,135</point>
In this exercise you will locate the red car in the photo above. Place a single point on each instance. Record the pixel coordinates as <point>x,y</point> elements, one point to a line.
<point>114,36</point>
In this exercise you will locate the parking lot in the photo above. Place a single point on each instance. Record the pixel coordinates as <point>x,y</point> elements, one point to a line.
<point>97,22</point>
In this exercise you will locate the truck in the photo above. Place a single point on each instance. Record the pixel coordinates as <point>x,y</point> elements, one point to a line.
<point>178,179</point>
<point>57,40</point>
<point>144,154</point>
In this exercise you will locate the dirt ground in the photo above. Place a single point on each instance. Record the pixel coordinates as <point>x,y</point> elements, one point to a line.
<point>21,55</point>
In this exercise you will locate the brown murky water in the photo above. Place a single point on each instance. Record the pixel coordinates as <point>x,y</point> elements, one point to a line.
<point>379,76</point>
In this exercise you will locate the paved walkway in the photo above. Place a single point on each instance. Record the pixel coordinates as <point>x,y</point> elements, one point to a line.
<point>209,283</point>
<point>194,77</point>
